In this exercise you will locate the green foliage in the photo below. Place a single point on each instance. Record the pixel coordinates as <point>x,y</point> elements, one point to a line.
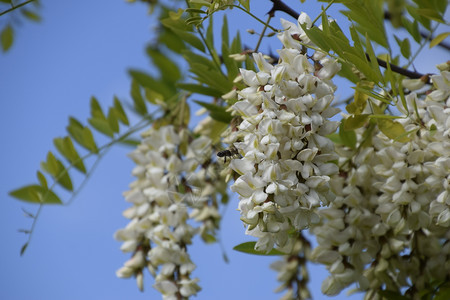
<point>7,38</point>
<point>249,248</point>
<point>216,112</point>
<point>36,194</point>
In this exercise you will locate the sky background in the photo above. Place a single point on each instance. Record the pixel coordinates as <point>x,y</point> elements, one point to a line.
<point>80,49</point>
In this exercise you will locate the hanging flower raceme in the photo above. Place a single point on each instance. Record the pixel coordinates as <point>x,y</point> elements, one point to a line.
<point>286,156</point>
<point>389,225</point>
<point>173,174</point>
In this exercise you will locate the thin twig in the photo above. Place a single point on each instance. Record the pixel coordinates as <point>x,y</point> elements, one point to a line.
<point>15,7</point>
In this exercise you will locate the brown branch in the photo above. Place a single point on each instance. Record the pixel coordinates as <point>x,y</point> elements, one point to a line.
<point>280,6</point>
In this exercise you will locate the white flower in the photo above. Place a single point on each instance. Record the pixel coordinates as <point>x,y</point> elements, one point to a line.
<point>285,158</point>
<point>172,173</point>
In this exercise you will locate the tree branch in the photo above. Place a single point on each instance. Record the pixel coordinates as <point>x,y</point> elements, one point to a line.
<point>280,6</point>
<point>15,7</point>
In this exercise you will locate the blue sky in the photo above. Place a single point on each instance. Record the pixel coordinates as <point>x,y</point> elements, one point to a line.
<point>83,48</point>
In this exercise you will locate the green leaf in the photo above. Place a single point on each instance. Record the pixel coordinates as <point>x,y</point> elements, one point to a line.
<point>413,11</point>
<point>373,60</point>
<point>361,65</point>
<point>168,38</point>
<point>225,35</point>
<point>335,138</point>
<point>404,45</point>
<point>113,120</point>
<point>82,135</point>
<point>360,99</point>
<point>130,142</point>
<point>216,112</point>
<point>208,73</point>
<point>36,194</point>
<point>368,14</point>
<point>196,21</point>
<point>430,14</point>
<point>182,30</point>
<point>67,149</point>
<point>98,119</point>
<point>393,130</point>
<point>55,167</point>
<point>195,10</point>
<point>371,93</point>
<point>30,15</point>
<point>245,4</point>
<point>355,121</point>
<point>23,249</point>
<point>120,112</point>
<point>348,138</point>
<point>208,238</point>
<point>96,109</point>
<point>168,69</point>
<point>42,180</point>
<point>317,37</point>
<point>138,100</point>
<point>439,38</point>
<point>249,248</point>
<point>199,89</point>
<point>147,81</point>
<point>7,38</point>
<point>412,28</point>
<point>101,126</point>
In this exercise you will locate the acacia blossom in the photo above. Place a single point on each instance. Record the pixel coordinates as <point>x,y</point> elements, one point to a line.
<point>286,157</point>
<point>172,175</point>
<point>389,225</point>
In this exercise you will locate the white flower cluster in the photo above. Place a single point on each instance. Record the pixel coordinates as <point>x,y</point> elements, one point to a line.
<point>389,225</point>
<point>286,156</point>
<point>171,173</point>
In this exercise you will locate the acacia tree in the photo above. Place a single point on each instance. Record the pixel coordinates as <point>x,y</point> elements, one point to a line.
<point>372,187</point>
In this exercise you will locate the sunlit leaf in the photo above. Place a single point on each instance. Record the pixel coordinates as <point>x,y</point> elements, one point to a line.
<point>439,38</point>
<point>393,130</point>
<point>36,194</point>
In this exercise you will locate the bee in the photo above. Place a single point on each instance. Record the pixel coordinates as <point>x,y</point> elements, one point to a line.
<point>228,153</point>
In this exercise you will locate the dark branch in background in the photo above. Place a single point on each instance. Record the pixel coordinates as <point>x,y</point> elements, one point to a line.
<point>400,70</point>
<point>388,16</point>
<point>280,6</point>
<point>15,7</point>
